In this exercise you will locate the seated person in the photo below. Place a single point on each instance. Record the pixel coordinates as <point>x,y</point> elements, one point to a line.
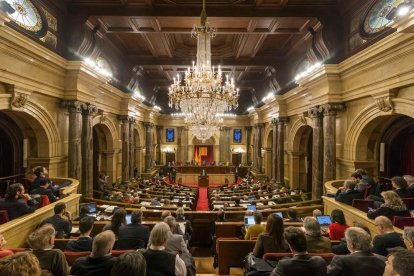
<point>180,219</point>
<point>41,242</point>
<point>361,261</point>
<point>44,183</point>
<point>100,262</point>
<point>20,264</point>
<point>156,201</point>
<point>40,172</point>
<point>393,206</point>
<point>84,213</point>
<point>16,202</point>
<point>387,238</point>
<point>175,243</point>
<point>4,253</point>
<point>271,241</point>
<point>400,186</point>
<point>134,235</point>
<point>60,220</point>
<point>254,230</point>
<point>155,255</point>
<point>293,215</point>
<point>342,248</point>
<point>301,263</point>
<point>130,263</point>
<point>316,243</point>
<point>338,226</point>
<point>84,242</point>
<point>118,219</point>
<point>408,237</point>
<point>347,193</point>
<point>400,263</point>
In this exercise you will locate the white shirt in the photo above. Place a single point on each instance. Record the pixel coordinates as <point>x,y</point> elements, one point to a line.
<point>180,269</point>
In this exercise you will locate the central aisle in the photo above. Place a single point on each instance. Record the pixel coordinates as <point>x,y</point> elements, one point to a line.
<point>202,203</point>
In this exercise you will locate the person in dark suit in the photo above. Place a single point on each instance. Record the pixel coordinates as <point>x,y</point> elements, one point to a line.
<point>316,243</point>
<point>133,235</point>
<point>301,263</point>
<point>347,193</point>
<point>61,221</point>
<point>401,187</point>
<point>44,183</point>
<point>387,239</point>
<point>14,202</point>
<point>361,261</point>
<point>84,242</point>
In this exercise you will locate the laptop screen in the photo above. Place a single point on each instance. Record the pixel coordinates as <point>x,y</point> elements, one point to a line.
<point>251,207</point>
<point>324,220</point>
<point>128,218</point>
<point>251,199</point>
<point>248,220</point>
<point>91,207</point>
<point>280,214</point>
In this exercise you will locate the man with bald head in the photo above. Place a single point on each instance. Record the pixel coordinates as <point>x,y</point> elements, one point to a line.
<point>388,238</point>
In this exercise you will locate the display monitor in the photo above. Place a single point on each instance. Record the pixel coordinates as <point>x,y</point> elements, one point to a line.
<point>280,214</point>
<point>248,220</point>
<point>251,199</point>
<point>251,207</point>
<point>128,218</point>
<point>91,206</point>
<point>324,220</point>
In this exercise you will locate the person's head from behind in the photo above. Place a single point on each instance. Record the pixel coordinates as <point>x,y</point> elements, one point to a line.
<point>312,227</point>
<point>349,185</point>
<point>119,217</point>
<point>170,220</point>
<point>383,224</point>
<point>20,264</point>
<point>399,182</point>
<point>130,263</point>
<point>258,217</point>
<point>274,227</point>
<point>136,216</point>
<point>14,191</point>
<point>357,239</point>
<point>160,234</point>
<point>84,210</point>
<point>42,238</point>
<point>103,243</point>
<point>296,239</point>
<point>338,216</point>
<point>400,263</point>
<point>180,212</point>
<point>167,202</point>
<point>316,213</point>
<point>86,225</point>
<point>60,208</point>
<point>392,199</point>
<point>409,179</point>
<point>292,213</point>
<point>165,214</point>
<point>408,236</point>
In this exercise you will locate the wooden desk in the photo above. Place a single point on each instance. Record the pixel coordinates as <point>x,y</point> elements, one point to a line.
<point>203,181</point>
<point>230,229</point>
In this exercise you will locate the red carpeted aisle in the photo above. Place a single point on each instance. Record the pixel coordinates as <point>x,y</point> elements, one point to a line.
<point>202,203</point>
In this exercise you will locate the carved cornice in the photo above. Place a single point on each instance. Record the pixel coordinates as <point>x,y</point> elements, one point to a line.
<point>385,104</point>
<point>331,109</point>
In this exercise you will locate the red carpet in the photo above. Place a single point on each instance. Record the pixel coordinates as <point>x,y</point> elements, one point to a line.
<point>202,203</point>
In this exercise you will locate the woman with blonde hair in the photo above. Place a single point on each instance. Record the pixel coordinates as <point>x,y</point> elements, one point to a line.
<point>20,264</point>
<point>393,206</point>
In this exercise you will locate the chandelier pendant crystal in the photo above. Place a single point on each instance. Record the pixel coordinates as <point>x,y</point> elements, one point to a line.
<point>201,94</point>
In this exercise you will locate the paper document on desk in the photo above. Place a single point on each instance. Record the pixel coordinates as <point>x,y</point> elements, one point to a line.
<point>74,230</point>
<point>110,209</point>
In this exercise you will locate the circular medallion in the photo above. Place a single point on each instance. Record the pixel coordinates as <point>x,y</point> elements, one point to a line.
<point>376,19</point>
<point>26,15</point>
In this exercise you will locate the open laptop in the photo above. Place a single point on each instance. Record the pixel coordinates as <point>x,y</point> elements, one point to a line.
<point>91,206</point>
<point>280,214</point>
<point>128,218</point>
<point>248,220</point>
<point>251,199</point>
<point>251,207</point>
<point>324,220</point>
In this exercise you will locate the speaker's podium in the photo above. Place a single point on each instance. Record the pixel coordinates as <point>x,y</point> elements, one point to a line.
<point>203,181</point>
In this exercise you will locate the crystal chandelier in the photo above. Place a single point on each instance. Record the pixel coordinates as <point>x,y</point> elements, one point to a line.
<point>202,94</point>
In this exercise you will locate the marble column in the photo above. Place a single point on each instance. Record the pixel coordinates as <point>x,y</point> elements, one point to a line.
<point>280,151</point>
<point>274,148</point>
<point>179,157</point>
<point>317,152</point>
<point>74,141</point>
<point>159,142</point>
<point>186,144</point>
<point>259,158</point>
<point>329,140</point>
<point>248,138</point>
<point>87,149</point>
<point>125,146</point>
<point>148,146</point>
<point>131,147</point>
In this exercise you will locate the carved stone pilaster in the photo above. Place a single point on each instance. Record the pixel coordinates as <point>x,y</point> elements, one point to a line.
<point>317,152</point>
<point>280,150</point>
<point>125,138</point>
<point>131,121</point>
<point>148,145</point>
<point>159,142</point>
<point>88,110</point>
<point>258,146</point>
<point>248,145</point>
<point>274,148</point>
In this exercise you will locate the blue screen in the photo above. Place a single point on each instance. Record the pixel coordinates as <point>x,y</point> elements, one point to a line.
<point>251,207</point>
<point>170,135</point>
<point>324,220</point>
<point>280,214</point>
<point>237,135</point>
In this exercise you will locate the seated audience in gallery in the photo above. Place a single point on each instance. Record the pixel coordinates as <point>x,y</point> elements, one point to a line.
<point>392,206</point>
<point>271,240</point>
<point>84,242</point>
<point>293,215</point>
<point>361,261</point>
<point>337,228</point>
<point>134,235</point>
<point>44,184</point>
<point>20,264</point>
<point>387,239</point>
<point>253,231</point>
<point>400,186</point>
<point>130,263</point>
<point>16,202</point>
<point>4,252</point>
<point>408,237</point>
<point>347,193</point>
<point>410,183</point>
<point>301,263</point>
<point>156,254</point>
<point>100,261</point>
<point>316,243</point>
<point>39,172</point>
<point>156,201</point>
<point>61,220</point>
<point>41,242</point>
<point>400,263</point>
<point>118,219</point>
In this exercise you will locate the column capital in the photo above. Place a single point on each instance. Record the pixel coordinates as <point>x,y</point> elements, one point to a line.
<point>331,108</point>
<point>282,120</point>
<point>89,109</point>
<point>73,105</point>
<point>248,128</point>
<point>123,118</point>
<point>315,112</point>
<point>132,120</point>
<point>148,125</point>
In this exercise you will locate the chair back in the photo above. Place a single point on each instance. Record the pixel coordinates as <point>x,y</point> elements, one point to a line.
<point>224,239</point>
<point>362,204</point>
<point>4,216</point>
<point>277,256</point>
<point>402,222</point>
<point>409,202</point>
<point>71,257</point>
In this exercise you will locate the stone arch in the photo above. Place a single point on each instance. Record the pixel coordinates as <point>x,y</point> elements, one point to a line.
<point>269,158</point>
<point>108,129</point>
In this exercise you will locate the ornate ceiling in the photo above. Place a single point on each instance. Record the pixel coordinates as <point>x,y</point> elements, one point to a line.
<point>260,43</point>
